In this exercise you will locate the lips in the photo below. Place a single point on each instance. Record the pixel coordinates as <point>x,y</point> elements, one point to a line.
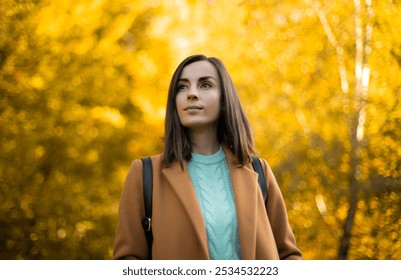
<point>193,107</point>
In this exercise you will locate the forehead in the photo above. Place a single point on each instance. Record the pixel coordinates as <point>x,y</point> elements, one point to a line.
<point>198,69</point>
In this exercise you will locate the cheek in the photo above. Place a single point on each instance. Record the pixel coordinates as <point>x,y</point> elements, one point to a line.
<point>217,106</point>
<point>218,109</point>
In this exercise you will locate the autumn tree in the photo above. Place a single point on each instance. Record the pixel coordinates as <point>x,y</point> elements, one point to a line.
<point>67,121</point>
<point>83,87</point>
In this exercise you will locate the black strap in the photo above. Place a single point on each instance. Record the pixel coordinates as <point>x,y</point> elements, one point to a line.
<point>257,166</point>
<point>147,195</point>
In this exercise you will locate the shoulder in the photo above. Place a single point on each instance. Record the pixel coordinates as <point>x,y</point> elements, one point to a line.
<point>137,164</point>
<point>266,167</point>
<point>270,177</point>
<point>155,159</point>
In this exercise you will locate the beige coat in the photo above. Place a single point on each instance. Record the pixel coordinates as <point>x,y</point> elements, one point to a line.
<point>178,228</point>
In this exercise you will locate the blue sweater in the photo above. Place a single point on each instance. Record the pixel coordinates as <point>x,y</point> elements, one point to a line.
<point>211,179</point>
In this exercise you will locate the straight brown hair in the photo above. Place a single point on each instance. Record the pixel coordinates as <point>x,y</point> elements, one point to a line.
<point>233,128</point>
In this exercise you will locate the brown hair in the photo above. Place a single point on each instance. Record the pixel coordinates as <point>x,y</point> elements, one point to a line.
<point>233,128</point>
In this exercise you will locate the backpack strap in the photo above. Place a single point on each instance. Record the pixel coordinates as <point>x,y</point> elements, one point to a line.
<point>147,195</point>
<point>257,166</point>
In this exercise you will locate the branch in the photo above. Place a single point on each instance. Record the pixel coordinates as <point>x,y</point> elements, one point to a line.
<point>336,44</point>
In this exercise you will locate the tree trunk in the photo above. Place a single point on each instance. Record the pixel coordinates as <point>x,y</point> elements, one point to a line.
<point>363,38</point>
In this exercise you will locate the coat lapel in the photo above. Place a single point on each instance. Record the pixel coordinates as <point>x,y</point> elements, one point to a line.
<point>181,184</point>
<point>245,186</point>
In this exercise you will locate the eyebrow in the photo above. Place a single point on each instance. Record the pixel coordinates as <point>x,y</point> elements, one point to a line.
<point>204,78</point>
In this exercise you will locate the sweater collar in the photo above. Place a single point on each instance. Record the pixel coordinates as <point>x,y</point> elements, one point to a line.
<point>210,159</point>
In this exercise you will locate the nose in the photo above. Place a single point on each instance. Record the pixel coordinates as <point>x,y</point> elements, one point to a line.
<point>193,94</point>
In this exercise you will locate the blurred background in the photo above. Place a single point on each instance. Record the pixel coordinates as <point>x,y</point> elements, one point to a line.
<point>83,87</point>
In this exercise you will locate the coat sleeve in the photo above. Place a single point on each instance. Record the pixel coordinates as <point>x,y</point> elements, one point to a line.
<point>277,212</point>
<point>130,241</point>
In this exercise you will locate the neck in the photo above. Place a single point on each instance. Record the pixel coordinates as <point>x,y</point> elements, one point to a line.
<point>204,142</point>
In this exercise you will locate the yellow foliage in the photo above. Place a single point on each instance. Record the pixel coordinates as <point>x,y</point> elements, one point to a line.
<point>109,115</point>
<point>84,87</point>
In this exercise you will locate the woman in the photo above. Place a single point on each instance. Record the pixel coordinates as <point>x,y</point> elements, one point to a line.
<point>207,203</point>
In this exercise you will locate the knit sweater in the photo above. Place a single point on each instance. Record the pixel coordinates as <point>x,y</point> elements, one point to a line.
<point>211,179</point>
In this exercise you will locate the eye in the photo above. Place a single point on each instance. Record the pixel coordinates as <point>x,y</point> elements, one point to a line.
<point>206,85</point>
<point>182,87</point>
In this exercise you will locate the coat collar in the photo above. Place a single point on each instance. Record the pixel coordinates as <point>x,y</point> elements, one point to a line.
<point>244,182</point>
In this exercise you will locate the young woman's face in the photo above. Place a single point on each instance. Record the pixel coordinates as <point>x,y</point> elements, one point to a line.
<point>198,96</point>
